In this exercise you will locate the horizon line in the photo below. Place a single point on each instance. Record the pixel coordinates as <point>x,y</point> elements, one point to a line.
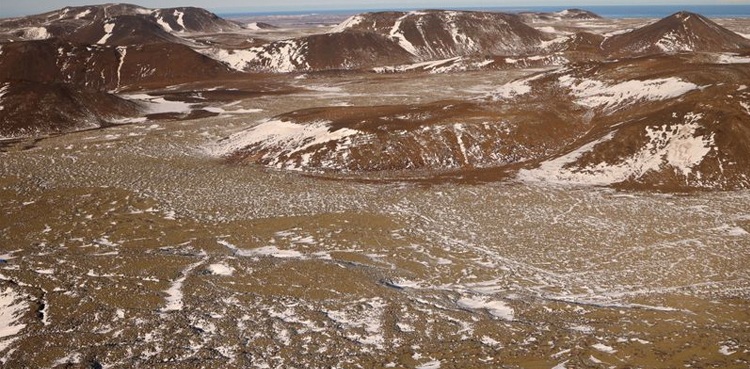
<point>270,10</point>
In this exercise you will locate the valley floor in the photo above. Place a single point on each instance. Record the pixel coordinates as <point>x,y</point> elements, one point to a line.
<point>132,247</point>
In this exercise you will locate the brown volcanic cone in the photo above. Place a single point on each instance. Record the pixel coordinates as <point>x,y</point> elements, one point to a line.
<point>556,16</point>
<point>684,146</point>
<point>685,128</point>
<point>128,24</point>
<point>679,32</point>
<point>106,67</point>
<point>392,38</point>
<point>125,30</point>
<point>32,108</point>
<point>161,65</point>
<point>55,86</point>
<point>190,19</point>
<point>436,34</point>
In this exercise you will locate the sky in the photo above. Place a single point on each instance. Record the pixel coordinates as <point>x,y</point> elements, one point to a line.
<point>13,8</point>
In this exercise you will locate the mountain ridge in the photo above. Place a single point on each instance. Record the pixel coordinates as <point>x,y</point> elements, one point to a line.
<point>662,106</point>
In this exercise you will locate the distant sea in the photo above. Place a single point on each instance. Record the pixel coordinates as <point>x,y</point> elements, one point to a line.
<point>607,11</point>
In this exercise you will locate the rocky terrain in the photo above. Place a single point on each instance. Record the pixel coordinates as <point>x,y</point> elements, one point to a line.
<point>431,189</point>
<point>605,78</point>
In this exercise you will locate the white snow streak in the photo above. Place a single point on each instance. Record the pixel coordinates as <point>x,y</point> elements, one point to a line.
<point>425,66</point>
<point>271,251</point>
<point>347,24</point>
<point>121,51</point>
<point>434,364</point>
<point>174,293</point>
<point>3,90</point>
<point>221,269</point>
<point>180,20</point>
<point>83,14</point>
<point>398,35</point>
<point>163,24</point>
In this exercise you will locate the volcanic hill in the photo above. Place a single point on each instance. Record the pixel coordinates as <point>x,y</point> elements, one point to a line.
<point>389,38</point>
<point>663,106</point>
<point>661,122</point>
<point>680,32</point>
<point>61,70</point>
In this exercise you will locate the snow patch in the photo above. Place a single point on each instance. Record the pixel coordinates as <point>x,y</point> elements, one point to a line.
<point>278,57</point>
<point>12,307</point>
<point>732,59</point>
<point>157,105</point>
<point>547,29</point>
<point>512,90</point>
<point>745,106</point>
<point>284,138</point>
<point>732,231</point>
<point>362,321</point>
<point>108,28</point>
<point>235,59</point>
<point>604,348</point>
<point>515,88</point>
<point>496,308</point>
<point>592,93</point>
<point>221,269</point>
<point>556,41</point>
<point>726,350</point>
<point>36,33</point>
<point>671,43</point>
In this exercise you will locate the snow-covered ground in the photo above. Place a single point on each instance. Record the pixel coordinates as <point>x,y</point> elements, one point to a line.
<point>593,93</point>
<point>225,260</point>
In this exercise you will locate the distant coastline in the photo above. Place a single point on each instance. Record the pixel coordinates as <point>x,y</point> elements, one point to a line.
<point>607,11</point>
